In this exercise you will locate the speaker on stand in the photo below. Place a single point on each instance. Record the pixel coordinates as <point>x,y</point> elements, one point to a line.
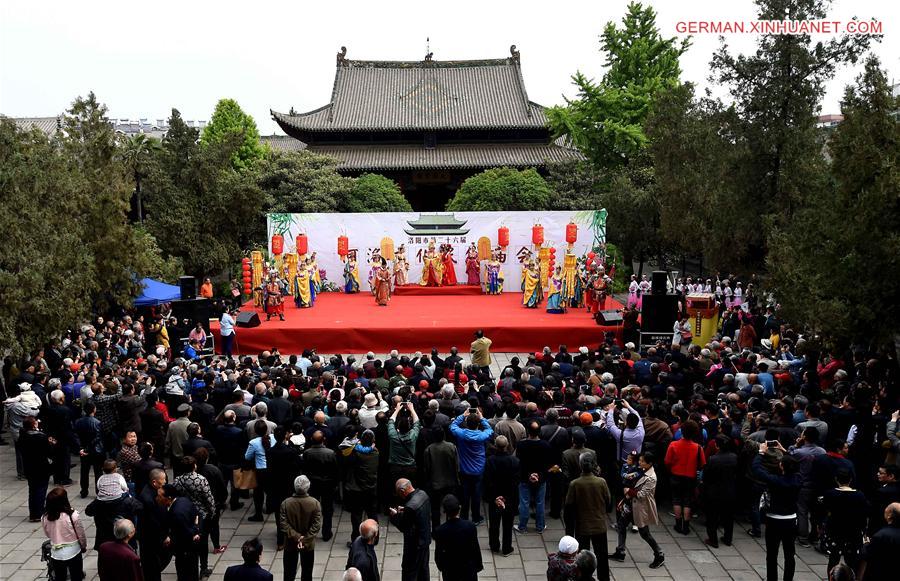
<point>188,287</point>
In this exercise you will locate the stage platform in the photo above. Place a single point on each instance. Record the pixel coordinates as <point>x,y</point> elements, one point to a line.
<point>341,323</point>
<point>419,290</point>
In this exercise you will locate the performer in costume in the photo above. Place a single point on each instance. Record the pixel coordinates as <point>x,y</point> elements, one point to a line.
<point>317,277</point>
<point>576,295</point>
<point>494,279</point>
<point>382,284</point>
<point>643,288</point>
<point>302,297</point>
<point>600,286</point>
<point>313,287</point>
<point>449,275</point>
<point>351,276</point>
<point>707,288</point>
<point>374,265</point>
<point>738,295</point>
<point>432,267</point>
<point>473,266</point>
<point>726,291</point>
<point>531,296</point>
<point>632,292</point>
<point>401,267</point>
<point>274,298</point>
<point>555,303</point>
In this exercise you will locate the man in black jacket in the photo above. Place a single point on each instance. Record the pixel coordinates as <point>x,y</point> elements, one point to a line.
<point>320,464</point>
<point>231,441</point>
<point>414,520</point>
<point>153,528</point>
<point>881,554</point>
<point>184,533</point>
<point>279,407</point>
<point>362,551</point>
<point>501,491</point>
<point>285,465</point>
<point>719,476</point>
<point>457,553</point>
<point>536,458</point>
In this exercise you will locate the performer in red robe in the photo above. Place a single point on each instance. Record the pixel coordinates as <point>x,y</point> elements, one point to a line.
<point>449,275</point>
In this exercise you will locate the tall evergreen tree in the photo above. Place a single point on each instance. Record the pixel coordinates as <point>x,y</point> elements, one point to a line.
<point>228,122</point>
<point>835,265</point>
<point>777,92</point>
<point>606,120</point>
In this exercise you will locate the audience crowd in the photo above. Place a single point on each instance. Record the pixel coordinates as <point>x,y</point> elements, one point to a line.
<point>799,441</point>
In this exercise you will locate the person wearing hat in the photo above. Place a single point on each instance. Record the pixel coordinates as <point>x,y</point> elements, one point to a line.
<point>457,552</point>
<point>25,405</point>
<point>372,405</point>
<point>561,565</point>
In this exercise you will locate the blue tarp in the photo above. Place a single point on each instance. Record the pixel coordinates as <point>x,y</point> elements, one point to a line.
<point>157,293</point>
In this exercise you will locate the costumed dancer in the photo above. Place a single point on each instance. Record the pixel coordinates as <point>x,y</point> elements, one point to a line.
<point>431,267</point>
<point>726,291</point>
<point>494,279</point>
<point>313,287</point>
<point>317,277</point>
<point>401,267</point>
<point>738,295</point>
<point>570,280</point>
<point>382,284</point>
<point>473,266</point>
<point>302,296</point>
<point>555,302</point>
<point>274,298</point>
<point>643,288</point>
<point>531,295</point>
<point>707,288</point>
<point>632,292</point>
<point>374,265</point>
<point>599,288</point>
<point>448,264</point>
<point>351,276</point>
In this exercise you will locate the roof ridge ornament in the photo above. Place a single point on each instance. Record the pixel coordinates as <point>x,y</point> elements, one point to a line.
<point>514,53</point>
<point>341,56</point>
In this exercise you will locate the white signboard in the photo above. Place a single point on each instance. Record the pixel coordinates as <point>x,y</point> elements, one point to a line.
<point>415,230</point>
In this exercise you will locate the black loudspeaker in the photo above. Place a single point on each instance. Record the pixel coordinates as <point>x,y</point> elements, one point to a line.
<point>247,319</point>
<point>188,286</point>
<point>611,317</point>
<point>658,282</point>
<point>195,311</point>
<point>658,313</point>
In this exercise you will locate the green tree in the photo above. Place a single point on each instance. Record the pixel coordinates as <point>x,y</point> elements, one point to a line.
<point>501,189</point>
<point>230,120</point>
<point>696,161</point>
<point>134,151</point>
<point>376,193</point>
<point>303,181</point>
<point>47,271</point>
<point>777,91</point>
<point>837,263</point>
<point>89,144</point>
<point>606,120</point>
<point>200,209</point>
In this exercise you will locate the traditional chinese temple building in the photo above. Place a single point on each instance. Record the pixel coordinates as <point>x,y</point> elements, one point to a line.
<point>428,125</point>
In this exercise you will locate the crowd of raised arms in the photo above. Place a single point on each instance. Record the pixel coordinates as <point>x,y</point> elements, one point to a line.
<point>799,442</point>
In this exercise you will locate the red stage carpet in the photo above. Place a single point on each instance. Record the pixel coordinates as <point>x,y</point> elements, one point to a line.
<point>417,289</point>
<point>341,323</point>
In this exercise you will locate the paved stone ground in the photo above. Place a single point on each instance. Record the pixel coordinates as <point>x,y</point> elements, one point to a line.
<point>687,558</point>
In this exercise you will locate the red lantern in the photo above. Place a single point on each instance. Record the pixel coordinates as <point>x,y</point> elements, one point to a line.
<point>571,232</point>
<point>246,277</point>
<point>503,236</point>
<point>247,289</point>
<point>552,252</point>
<point>343,246</point>
<point>591,255</point>
<point>277,244</point>
<point>302,244</point>
<point>537,234</point>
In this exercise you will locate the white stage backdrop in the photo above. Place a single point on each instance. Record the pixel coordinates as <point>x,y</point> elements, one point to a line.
<point>365,232</point>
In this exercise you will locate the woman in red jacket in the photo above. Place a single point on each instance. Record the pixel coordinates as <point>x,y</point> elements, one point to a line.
<point>684,459</point>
